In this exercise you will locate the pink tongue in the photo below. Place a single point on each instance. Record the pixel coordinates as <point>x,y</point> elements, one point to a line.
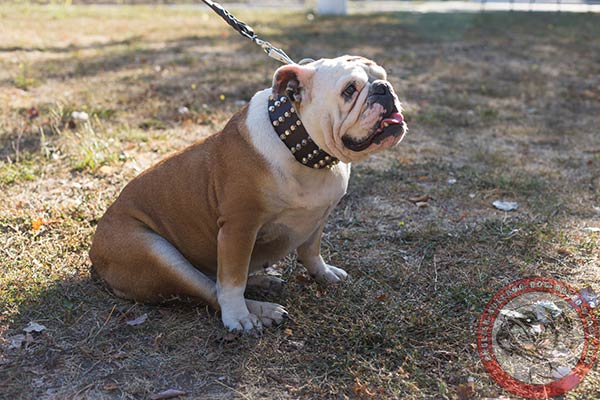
<point>395,119</point>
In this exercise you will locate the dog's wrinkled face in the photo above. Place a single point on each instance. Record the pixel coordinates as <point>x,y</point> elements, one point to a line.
<point>346,104</point>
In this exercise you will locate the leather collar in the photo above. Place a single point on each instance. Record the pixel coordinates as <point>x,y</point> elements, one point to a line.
<point>292,133</point>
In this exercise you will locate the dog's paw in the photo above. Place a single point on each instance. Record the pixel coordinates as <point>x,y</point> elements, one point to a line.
<point>331,274</point>
<point>268,283</point>
<point>248,322</point>
<point>268,313</point>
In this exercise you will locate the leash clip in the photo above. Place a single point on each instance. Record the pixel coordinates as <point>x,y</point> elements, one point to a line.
<point>273,51</point>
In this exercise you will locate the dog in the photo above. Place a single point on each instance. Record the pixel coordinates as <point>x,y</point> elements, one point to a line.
<point>199,223</point>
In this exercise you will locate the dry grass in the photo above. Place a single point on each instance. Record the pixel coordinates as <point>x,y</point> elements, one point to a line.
<point>506,104</point>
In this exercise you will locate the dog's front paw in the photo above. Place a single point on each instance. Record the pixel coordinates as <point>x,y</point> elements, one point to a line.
<point>247,322</point>
<point>331,274</point>
<point>268,313</point>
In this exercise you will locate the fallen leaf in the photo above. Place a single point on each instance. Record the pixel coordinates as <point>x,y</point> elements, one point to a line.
<point>464,392</point>
<point>80,115</point>
<point>288,332</point>
<point>471,383</point>
<point>362,390</point>
<point>422,204</point>
<point>462,216</point>
<point>591,229</point>
<point>167,394</point>
<point>34,327</point>
<point>505,205</point>
<point>16,341</point>
<point>301,278</point>
<point>106,170</point>
<point>418,199</point>
<point>381,297</point>
<point>32,113</point>
<point>230,337</point>
<point>212,357</point>
<point>138,321</point>
<point>36,224</point>
<point>110,387</point>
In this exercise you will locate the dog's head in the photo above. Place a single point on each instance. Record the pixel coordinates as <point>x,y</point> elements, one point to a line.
<point>346,104</point>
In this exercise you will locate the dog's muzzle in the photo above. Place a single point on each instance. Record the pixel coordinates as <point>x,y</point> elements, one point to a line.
<point>391,122</point>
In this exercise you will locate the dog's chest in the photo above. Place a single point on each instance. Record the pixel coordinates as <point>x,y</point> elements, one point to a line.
<point>300,206</point>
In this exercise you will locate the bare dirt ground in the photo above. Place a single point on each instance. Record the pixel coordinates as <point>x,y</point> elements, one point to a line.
<point>500,107</point>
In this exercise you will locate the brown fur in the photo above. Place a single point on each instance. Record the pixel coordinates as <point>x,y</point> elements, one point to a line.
<point>203,219</point>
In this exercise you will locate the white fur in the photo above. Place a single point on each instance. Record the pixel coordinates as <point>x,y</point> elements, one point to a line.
<point>322,271</point>
<point>234,311</point>
<point>305,196</point>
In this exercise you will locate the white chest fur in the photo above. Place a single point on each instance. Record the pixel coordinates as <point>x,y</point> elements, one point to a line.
<point>304,196</point>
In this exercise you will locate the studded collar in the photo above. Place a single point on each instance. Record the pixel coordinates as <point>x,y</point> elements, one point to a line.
<point>292,133</point>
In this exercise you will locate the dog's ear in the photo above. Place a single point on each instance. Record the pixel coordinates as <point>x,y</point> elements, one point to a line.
<point>291,80</point>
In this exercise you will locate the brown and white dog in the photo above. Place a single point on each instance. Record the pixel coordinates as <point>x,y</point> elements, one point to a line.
<point>200,222</point>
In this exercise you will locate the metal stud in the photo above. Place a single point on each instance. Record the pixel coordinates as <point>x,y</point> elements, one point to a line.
<point>310,156</point>
<point>286,114</point>
<point>271,108</point>
<point>315,165</point>
<point>298,122</point>
<point>304,142</point>
<point>321,162</point>
<point>315,152</point>
<point>293,150</point>
<point>277,103</point>
<point>304,160</point>
<point>292,109</point>
<point>282,137</point>
<point>270,97</point>
<point>298,146</point>
<point>281,119</point>
<point>287,132</point>
<point>275,123</point>
<point>283,99</point>
<point>327,158</point>
<point>293,127</point>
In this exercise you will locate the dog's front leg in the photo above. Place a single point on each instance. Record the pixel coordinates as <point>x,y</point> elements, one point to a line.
<point>309,254</point>
<point>235,243</point>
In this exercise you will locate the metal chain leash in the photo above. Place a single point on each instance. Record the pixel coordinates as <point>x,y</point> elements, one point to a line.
<point>248,32</point>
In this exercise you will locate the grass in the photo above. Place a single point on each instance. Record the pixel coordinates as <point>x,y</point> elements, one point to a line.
<point>507,104</point>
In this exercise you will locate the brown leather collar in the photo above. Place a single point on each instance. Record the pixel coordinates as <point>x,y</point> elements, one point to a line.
<point>292,133</point>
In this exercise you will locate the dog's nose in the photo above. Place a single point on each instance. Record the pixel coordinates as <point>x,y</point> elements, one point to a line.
<point>380,88</point>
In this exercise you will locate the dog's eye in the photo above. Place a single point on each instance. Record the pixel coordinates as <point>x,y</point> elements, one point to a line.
<point>349,91</point>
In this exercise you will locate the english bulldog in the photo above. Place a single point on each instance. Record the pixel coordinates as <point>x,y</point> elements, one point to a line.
<point>201,222</point>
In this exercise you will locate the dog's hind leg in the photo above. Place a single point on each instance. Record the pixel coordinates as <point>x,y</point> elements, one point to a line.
<point>141,265</point>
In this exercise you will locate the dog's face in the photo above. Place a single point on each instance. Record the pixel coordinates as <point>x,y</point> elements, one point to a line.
<point>346,104</point>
